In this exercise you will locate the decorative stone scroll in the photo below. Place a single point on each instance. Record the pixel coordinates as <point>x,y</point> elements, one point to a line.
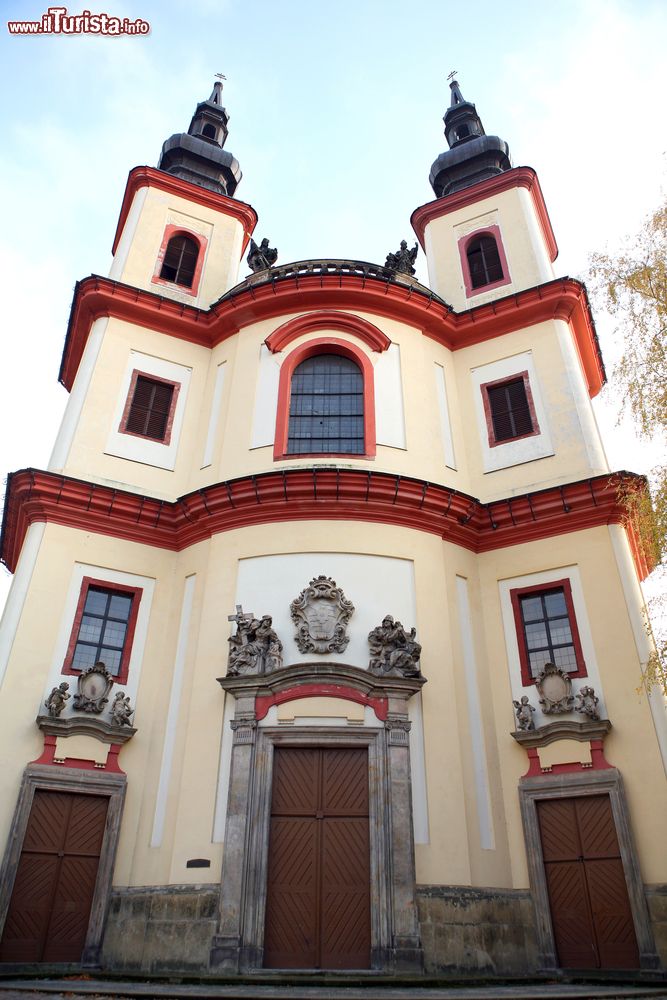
<point>555,688</point>
<point>394,651</point>
<point>587,703</point>
<point>524,714</point>
<point>254,648</point>
<point>321,613</point>
<point>93,686</point>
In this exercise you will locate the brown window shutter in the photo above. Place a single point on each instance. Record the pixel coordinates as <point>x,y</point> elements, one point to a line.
<point>150,407</point>
<point>510,411</point>
<point>484,262</point>
<point>180,260</point>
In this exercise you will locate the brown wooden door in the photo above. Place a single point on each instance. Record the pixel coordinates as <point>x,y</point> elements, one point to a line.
<point>53,891</point>
<point>318,892</point>
<point>588,897</point>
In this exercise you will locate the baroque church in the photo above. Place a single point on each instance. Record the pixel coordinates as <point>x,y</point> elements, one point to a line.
<point>325,636</point>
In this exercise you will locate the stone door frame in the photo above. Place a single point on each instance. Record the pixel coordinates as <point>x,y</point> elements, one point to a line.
<point>569,785</point>
<point>395,943</point>
<point>39,777</point>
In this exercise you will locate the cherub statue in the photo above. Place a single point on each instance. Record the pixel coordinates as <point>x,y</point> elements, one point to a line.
<point>402,260</point>
<point>121,710</point>
<point>524,714</point>
<point>587,703</point>
<point>261,257</point>
<point>56,700</point>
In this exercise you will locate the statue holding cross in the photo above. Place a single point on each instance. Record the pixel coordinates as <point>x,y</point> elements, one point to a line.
<point>254,648</point>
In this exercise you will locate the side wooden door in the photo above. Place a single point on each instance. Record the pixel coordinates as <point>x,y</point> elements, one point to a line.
<point>588,896</point>
<point>48,914</point>
<point>318,892</point>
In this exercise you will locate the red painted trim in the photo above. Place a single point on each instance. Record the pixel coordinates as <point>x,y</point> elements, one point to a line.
<point>202,243</point>
<point>322,494</point>
<point>464,243</point>
<point>564,299</point>
<point>136,594</point>
<point>122,427</point>
<point>141,177</point>
<point>517,177</point>
<point>598,762</point>
<point>323,345</point>
<point>264,702</point>
<point>490,430</point>
<point>526,676</point>
<point>328,319</point>
<point>48,756</point>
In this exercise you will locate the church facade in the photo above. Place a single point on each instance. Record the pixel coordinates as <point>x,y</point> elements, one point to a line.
<point>325,639</point>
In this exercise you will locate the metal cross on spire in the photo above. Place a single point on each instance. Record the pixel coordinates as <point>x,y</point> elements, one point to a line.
<point>221,77</point>
<point>452,75</point>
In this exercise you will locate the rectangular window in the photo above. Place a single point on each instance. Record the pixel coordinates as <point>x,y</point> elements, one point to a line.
<point>103,628</point>
<point>547,630</point>
<point>509,409</point>
<point>149,410</point>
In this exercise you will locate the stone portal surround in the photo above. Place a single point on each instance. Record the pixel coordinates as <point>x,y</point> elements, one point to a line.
<point>395,942</point>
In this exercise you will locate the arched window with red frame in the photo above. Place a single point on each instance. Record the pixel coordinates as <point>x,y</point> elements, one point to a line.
<point>326,401</point>
<point>180,260</point>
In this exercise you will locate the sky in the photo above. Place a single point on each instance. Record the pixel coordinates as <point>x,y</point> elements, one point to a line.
<point>335,117</point>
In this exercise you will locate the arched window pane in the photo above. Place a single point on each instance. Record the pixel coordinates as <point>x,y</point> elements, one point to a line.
<point>326,407</point>
<point>180,260</point>
<point>484,262</point>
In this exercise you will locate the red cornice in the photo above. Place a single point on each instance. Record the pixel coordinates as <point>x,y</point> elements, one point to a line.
<point>517,177</point>
<point>314,494</point>
<point>327,319</point>
<point>150,177</point>
<point>563,298</point>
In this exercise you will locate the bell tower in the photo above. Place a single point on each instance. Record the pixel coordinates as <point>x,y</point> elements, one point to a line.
<point>487,234</point>
<point>181,232</point>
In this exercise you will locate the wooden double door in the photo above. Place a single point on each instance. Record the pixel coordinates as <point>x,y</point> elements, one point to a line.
<point>318,888</point>
<point>588,896</point>
<point>49,910</point>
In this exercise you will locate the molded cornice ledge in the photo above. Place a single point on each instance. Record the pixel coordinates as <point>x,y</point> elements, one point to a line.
<point>316,494</point>
<point>140,177</point>
<point>334,298</point>
<point>524,177</point>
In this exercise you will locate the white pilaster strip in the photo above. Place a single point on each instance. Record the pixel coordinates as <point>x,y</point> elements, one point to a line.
<point>266,399</point>
<point>77,396</point>
<point>389,418</point>
<point>17,594</point>
<point>172,713</point>
<point>418,771</point>
<point>129,229</point>
<point>634,600</point>
<point>214,419</point>
<point>482,793</point>
<point>223,771</point>
<point>445,423</point>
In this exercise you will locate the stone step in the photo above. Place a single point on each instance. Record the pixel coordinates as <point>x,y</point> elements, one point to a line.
<point>76,988</point>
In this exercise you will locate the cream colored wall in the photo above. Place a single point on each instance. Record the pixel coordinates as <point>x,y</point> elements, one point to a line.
<point>453,854</point>
<point>91,455</point>
<point>527,256</point>
<point>136,255</point>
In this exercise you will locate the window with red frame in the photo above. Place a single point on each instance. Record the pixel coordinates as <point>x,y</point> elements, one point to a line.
<point>547,630</point>
<point>484,261</point>
<point>150,408</point>
<point>180,260</point>
<point>326,412</point>
<point>510,410</point>
<point>103,628</point>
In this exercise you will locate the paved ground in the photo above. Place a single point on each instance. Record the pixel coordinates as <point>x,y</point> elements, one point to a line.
<point>91,989</point>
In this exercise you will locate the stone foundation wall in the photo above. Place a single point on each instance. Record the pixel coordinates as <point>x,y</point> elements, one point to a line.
<point>160,929</point>
<point>488,931</point>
